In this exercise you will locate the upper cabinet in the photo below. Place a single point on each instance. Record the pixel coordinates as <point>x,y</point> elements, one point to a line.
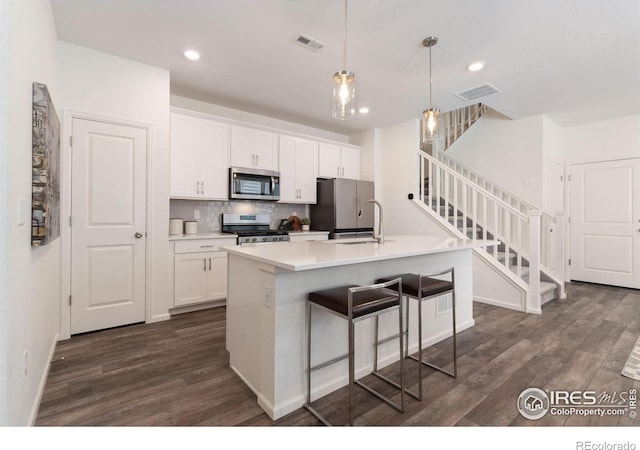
<point>298,170</point>
<point>336,161</point>
<point>253,148</point>
<point>199,158</point>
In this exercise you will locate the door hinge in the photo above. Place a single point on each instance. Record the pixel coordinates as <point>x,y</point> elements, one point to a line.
<point>561,178</point>
<point>70,222</point>
<point>569,261</point>
<point>569,220</point>
<point>70,141</point>
<point>568,177</point>
<point>69,300</point>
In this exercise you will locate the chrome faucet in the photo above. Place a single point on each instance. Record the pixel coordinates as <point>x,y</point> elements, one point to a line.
<point>380,236</point>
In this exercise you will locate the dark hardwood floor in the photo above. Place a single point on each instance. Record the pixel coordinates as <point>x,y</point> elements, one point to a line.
<point>177,372</point>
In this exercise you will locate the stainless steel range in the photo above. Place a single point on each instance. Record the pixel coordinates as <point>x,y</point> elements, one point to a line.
<point>252,228</point>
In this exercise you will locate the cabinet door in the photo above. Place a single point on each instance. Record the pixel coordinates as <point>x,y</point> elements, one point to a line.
<point>185,144</point>
<point>350,162</point>
<point>216,276</point>
<point>287,157</point>
<point>265,148</point>
<point>242,154</point>
<point>214,160</point>
<point>328,161</point>
<point>254,148</point>
<point>306,171</point>
<point>190,284</point>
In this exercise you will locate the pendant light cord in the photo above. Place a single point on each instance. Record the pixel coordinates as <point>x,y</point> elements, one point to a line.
<point>430,80</point>
<point>344,55</point>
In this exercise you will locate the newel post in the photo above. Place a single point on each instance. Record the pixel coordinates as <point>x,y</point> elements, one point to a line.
<point>533,294</point>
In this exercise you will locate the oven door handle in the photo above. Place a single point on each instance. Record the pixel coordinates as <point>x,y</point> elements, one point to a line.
<point>273,185</point>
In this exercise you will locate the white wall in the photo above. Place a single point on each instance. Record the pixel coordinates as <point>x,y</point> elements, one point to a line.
<point>605,140</point>
<point>370,143</point>
<point>553,154</point>
<point>32,303</point>
<point>97,83</point>
<point>4,60</point>
<point>256,119</point>
<point>398,175</point>
<point>508,152</point>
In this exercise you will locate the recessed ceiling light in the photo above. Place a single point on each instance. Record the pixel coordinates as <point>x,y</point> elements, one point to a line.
<point>476,66</point>
<point>363,110</point>
<point>192,55</point>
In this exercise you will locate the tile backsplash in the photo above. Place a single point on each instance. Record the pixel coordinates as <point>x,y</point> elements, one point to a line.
<point>210,211</point>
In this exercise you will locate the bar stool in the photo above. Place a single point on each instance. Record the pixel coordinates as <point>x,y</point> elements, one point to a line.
<point>355,303</point>
<point>424,287</point>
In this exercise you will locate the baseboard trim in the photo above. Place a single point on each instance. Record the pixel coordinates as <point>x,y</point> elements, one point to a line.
<point>493,302</point>
<point>43,382</point>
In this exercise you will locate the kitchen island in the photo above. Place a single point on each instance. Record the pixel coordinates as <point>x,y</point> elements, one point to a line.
<point>267,287</point>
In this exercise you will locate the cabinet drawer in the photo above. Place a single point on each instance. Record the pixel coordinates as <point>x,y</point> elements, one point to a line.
<point>202,245</point>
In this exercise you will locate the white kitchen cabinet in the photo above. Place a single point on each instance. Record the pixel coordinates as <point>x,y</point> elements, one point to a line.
<point>200,271</point>
<point>336,161</point>
<point>254,148</point>
<point>199,158</point>
<point>298,170</point>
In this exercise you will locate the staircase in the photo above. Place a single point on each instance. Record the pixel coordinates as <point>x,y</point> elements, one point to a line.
<point>468,205</point>
<point>517,264</point>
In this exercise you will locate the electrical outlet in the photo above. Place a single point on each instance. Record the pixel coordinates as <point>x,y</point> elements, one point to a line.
<point>196,213</point>
<point>267,295</point>
<point>25,365</point>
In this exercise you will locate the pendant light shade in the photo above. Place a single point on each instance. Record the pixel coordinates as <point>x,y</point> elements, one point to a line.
<point>344,89</point>
<point>430,116</point>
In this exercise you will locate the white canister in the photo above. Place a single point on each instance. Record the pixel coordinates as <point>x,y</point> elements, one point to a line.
<point>191,227</point>
<point>176,226</point>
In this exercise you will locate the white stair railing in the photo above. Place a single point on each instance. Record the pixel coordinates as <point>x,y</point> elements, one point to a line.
<point>458,121</point>
<point>547,249</point>
<point>454,199</point>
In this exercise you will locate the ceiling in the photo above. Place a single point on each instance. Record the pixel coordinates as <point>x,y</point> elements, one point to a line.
<point>576,61</point>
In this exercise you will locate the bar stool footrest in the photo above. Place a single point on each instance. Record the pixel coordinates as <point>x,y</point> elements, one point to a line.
<point>433,366</point>
<point>397,385</point>
<point>316,414</point>
<point>379,395</point>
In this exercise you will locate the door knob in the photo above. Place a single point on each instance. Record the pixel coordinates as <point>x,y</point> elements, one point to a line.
<point>138,235</point>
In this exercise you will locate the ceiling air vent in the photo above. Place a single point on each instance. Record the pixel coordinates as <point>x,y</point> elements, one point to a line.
<point>309,42</point>
<point>477,92</point>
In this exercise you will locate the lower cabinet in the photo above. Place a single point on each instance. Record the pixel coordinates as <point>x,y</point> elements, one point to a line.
<point>200,271</point>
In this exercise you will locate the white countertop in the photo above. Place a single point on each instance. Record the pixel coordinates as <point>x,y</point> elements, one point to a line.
<point>300,232</point>
<point>319,254</point>
<point>184,237</point>
<point>213,235</point>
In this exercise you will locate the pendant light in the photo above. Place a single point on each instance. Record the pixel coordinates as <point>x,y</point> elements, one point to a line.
<point>344,89</point>
<point>431,116</point>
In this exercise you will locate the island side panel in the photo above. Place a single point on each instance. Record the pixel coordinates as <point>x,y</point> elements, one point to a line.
<point>250,327</point>
<point>329,336</point>
<point>266,336</point>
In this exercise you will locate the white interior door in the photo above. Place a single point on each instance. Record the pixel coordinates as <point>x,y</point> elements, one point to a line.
<point>605,222</point>
<point>108,225</point>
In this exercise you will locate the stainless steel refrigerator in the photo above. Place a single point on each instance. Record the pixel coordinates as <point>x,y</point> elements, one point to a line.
<point>339,201</point>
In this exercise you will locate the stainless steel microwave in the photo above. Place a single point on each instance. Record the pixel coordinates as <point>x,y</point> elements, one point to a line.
<point>253,184</point>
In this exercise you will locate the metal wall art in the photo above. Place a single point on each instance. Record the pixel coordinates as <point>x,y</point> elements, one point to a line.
<point>45,199</point>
